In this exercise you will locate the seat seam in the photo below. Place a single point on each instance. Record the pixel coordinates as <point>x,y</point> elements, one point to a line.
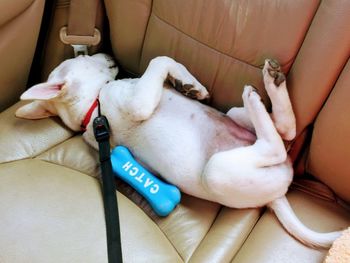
<point>306,33</point>
<point>35,155</point>
<point>144,37</point>
<point>204,44</point>
<point>262,212</point>
<point>205,235</point>
<point>65,166</point>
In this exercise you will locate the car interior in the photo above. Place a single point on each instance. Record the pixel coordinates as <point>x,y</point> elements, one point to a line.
<point>51,204</point>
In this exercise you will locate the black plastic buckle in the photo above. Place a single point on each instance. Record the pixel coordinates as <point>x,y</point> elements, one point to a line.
<point>101,128</point>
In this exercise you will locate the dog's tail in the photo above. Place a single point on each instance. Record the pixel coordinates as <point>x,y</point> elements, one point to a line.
<point>292,224</point>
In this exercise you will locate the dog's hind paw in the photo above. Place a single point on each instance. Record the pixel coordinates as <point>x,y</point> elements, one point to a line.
<point>273,68</point>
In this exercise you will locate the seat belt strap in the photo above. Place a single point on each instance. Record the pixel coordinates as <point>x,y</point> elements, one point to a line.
<point>82,17</point>
<point>81,31</point>
<point>101,131</point>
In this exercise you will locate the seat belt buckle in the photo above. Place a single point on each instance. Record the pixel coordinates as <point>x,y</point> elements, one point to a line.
<point>101,128</point>
<point>80,44</point>
<point>80,50</point>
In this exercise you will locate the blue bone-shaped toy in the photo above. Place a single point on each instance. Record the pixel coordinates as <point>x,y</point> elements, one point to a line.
<point>162,197</point>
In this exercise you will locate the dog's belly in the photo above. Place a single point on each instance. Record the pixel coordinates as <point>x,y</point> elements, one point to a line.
<point>180,137</point>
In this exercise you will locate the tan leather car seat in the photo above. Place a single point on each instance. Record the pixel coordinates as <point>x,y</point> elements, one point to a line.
<point>19,30</point>
<point>50,199</point>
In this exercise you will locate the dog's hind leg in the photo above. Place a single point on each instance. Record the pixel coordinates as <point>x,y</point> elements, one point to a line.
<point>269,143</point>
<point>254,174</point>
<point>240,116</point>
<point>282,112</point>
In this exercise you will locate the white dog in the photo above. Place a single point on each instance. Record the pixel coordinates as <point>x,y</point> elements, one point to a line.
<point>237,159</point>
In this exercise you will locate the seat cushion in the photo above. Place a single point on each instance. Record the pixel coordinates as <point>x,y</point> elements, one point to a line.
<point>269,242</point>
<point>50,213</point>
<point>42,164</point>
<point>191,228</point>
<point>50,197</point>
<point>21,139</point>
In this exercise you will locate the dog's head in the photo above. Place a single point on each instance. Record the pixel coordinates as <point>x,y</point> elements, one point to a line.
<point>70,90</point>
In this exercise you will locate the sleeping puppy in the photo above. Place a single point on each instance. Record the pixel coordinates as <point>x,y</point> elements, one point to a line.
<point>237,159</point>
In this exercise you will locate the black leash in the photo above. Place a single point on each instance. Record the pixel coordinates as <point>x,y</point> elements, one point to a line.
<point>101,131</point>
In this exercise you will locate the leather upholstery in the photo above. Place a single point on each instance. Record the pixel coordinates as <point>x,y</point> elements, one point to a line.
<point>55,214</point>
<point>201,40</point>
<point>51,204</point>
<point>329,152</point>
<point>268,242</point>
<point>186,227</point>
<point>13,9</point>
<point>19,29</point>
<point>320,60</point>
<point>20,139</point>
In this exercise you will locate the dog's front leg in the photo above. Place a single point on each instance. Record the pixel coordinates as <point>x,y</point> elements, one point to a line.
<point>140,100</point>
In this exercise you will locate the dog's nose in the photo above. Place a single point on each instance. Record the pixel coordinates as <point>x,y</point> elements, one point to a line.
<point>109,60</point>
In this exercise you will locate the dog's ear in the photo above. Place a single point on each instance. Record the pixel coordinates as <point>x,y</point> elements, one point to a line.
<point>33,111</point>
<point>43,91</point>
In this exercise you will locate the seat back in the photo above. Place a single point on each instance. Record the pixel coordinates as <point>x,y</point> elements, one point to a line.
<point>328,158</point>
<point>223,43</point>
<point>19,29</point>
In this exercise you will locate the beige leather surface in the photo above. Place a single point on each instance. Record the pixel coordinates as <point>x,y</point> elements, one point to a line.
<point>128,31</point>
<point>53,214</point>
<point>268,242</point>
<point>245,31</point>
<point>329,152</point>
<point>226,235</point>
<point>18,34</point>
<point>321,58</point>
<point>21,139</point>
<point>74,153</point>
<point>194,225</point>
<point>223,43</point>
<point>12,8</point>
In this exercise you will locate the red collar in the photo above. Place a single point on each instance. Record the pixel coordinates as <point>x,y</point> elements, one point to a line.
<point>88,116</point>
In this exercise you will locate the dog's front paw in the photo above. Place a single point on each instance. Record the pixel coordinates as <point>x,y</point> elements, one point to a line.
<point>272,72</point>
<point>193,90</point>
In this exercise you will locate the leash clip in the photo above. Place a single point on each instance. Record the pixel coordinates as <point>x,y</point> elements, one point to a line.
<point>101,128</point>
